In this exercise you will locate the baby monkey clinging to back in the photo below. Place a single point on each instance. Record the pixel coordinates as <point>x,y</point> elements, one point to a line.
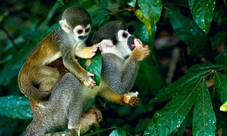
<point>69,96</point>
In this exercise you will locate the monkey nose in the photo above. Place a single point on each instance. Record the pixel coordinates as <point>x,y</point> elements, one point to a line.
<point>82,37</point>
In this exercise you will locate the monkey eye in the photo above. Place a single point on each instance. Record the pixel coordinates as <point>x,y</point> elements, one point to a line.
<point>79,31</point>
<point>124,35</point>
<point>87,30</point>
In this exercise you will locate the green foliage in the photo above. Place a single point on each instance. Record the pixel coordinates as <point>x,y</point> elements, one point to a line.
<point>93,65</point>
<point>191,100</point>
<point>12,106</point>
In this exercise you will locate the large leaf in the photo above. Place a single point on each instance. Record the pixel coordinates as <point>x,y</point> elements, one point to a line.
<point>173,114</point>
<point>145,21</point>
<point>94,66</point>
<point>171,90</point>
<point>151,9</point>
<point>188,31</point>
<point>221,86</point>
<point>99,16</point>
<point>202,12</point>
<point>204,119</point>
<point>15,107</point>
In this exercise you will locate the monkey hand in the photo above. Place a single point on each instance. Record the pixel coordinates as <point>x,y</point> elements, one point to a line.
<point>131,98</point>
<point>141,51</point>
<point>88,81</point>
<point>86,52</point>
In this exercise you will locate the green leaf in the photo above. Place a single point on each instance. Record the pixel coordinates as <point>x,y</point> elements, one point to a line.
<point>221,86</point>
<point>103,3</point>
<point>99,16</point>
<point>132,3</point>
<point>202,12</point>
<point>94,66</point>
<point>145,21</point>
<point>151,9</point>
<point>15,107</point>
<point>204,120</point>
<point>173,114</point>
<point>118,132</point>
<point>173,89</point>
<point>191,35</point>
<point>52,28</point>
<point>204,67</point>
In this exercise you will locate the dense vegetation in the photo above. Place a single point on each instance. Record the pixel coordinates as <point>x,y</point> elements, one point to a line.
<point>181,85</point>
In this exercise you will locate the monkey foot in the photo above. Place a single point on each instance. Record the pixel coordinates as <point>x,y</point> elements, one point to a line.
<point>131,98</point>
<point>89,120</point>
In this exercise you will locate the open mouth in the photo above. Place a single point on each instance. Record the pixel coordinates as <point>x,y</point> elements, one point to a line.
<point>131,43</point>
<point>132,46</point>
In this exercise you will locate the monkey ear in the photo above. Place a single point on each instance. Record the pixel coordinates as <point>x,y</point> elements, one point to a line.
<point>65,26</point>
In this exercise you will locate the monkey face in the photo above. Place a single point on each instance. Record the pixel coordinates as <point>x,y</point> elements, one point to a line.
<point>81,33</point>
<point>125,42</point>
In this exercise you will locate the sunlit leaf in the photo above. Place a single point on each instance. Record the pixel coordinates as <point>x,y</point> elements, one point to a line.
<point>132,3</point>
<point>221,86</point>
<point>15,107</point>
<point>61,1</point>
<point>188,31</point>
<point>173,114</point>
<point>145,21</point>
<point>94,66</point>
<point>204,119</point>
<point>151,9</point>
<point>202,12</point>
<point>118,132</point>
<point>223,107</point>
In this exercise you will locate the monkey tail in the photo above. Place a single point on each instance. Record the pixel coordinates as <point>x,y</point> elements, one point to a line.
<point>31,90</point>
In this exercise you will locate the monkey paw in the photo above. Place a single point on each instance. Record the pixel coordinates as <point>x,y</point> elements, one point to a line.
<point>89,120</point>
<point>131,99</point>
<point>141,51</point>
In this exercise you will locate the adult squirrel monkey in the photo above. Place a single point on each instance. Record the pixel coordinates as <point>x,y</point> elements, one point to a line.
<point>68,98</point>
<point>36,79</point>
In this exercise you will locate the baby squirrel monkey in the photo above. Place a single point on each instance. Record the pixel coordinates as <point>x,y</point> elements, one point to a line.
<point>69,96</point>
<point>36,79</point>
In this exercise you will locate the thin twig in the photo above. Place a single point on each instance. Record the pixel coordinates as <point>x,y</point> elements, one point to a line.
<point>121,10</point>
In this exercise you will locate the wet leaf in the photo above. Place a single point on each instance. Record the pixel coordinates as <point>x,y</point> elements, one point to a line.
<point>221,86</point>
<point>173,114</point>
<point>145,21</point>
<point>173,89</point>
<point>204,120</point>
<point>202,12</point>
<point>188,31</point>
<point>118,132</point>
<point>94,66</point>
<point>15,107</point>
<point>151,9</point>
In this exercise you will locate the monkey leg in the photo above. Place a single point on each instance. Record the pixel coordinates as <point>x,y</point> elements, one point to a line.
<point>67,96</point>
<point>64,107</point>
<point>111,95</point>
<point>44,77</point>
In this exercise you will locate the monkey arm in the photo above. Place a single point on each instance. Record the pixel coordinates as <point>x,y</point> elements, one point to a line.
<point>73,65</point>
<point>119,75</point>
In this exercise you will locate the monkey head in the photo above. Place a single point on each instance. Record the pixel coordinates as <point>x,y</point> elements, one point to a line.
<point>114,36</point>
<point>76,21</point>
